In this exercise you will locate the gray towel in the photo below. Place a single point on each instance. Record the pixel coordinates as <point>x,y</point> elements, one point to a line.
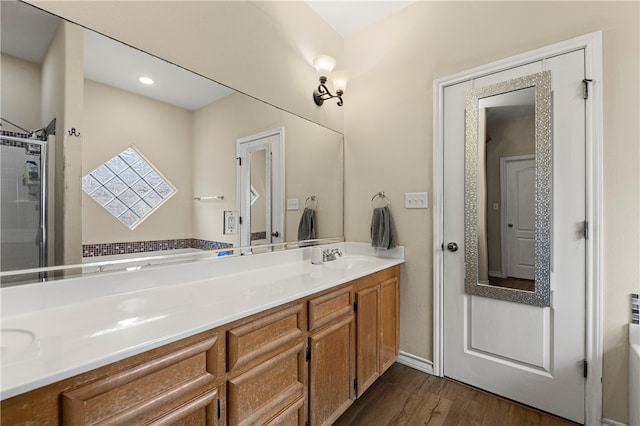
<point>307,226</point>
<point>383,232</point>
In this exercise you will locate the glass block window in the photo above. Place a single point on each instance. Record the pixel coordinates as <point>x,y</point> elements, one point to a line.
<point>128,187</point>
<point>253,195</point>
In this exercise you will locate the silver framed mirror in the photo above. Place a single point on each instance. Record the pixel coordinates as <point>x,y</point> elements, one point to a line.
<point>508,178</point>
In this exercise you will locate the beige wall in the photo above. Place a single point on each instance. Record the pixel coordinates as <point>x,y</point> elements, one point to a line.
<point>265,49</point>
<point>61,89</point>
<point>313,164</point>
<point>113,121</point>
<point>401,56</point>
<point>20,88</point>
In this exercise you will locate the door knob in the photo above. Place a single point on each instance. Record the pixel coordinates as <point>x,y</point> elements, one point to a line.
<point>510,225</point>
<point>275,234</point>
<point>452,247</point>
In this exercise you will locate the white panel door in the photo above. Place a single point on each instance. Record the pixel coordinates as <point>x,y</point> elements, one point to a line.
<point>529,354</point>
<point>267,148</point>
<point>520,230</point>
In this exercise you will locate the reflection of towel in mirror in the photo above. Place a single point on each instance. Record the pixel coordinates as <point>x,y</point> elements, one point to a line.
<point>383,232</point>
<point>307,226</point>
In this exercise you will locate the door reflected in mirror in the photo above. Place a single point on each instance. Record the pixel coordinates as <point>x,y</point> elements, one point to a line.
<point>260,183</point>
<point>508,190</point>
<point>508,179</point>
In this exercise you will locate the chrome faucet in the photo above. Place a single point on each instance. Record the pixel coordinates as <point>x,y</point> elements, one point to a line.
<point>330,254</point>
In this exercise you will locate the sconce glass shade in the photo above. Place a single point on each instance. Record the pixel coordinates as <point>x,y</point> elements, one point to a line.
<point>340,79</point>
<point>324,65</point>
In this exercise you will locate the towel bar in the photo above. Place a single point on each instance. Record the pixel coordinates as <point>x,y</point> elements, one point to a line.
<point>314,200</point>
<point>215,197</point>
<point>380,195</point>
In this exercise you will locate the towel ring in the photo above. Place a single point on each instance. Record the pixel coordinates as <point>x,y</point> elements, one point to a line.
<point>314,200</point>
<point>382,196</point>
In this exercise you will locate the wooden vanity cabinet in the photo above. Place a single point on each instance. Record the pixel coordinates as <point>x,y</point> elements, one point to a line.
<point>266,369</point>
<point>302,362</point>
<point>330,356</point>
<point>181,383</point>
<point>377,301</point>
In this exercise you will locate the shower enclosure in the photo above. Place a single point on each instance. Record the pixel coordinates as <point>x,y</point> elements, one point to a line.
<point>23,203</point>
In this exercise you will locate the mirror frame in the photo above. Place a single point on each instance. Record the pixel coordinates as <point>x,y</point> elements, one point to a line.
<point>541,82</point>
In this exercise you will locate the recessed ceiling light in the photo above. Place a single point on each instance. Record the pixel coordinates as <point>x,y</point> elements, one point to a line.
<point>146,80</point>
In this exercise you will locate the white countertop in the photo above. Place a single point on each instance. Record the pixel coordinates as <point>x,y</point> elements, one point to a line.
<point>55,330</point>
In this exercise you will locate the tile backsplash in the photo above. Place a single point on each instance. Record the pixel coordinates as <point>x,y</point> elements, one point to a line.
<point>108,249</point>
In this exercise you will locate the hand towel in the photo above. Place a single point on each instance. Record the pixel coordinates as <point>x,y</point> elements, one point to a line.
<point>307,226</point>
<point>383,232</point>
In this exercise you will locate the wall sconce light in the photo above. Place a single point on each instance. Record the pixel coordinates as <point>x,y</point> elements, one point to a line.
<point>324,65</point>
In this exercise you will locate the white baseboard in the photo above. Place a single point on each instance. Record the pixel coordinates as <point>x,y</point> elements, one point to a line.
<point>609,422</point>
<point>497,274</point>
<point>415,362</point>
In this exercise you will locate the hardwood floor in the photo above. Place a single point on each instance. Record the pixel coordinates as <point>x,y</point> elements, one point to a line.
<point>404,396</point>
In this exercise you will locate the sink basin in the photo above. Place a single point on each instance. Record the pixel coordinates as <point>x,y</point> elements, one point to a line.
<point>351,262</point>
<point>14,342</point>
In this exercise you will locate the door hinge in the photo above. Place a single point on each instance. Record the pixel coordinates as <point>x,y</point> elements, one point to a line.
<point>585,88</point>
<point>585,368</point>
<point>355,306</point>
<point>219,410</point>
<point>586,230</point>
<point>307,356</point>
<point>239,161</point>
<point>240,220</point>
<point>355,384</point>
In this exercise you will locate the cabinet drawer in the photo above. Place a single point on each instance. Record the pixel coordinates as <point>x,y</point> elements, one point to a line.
<point>291,416</point>
<point>329,307</point>
<point>267,391</point>
<point>252,343</point>
<point>161,390</point>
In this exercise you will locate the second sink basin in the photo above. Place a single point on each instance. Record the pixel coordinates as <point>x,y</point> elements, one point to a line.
<point>350,262</point>
<point>14,342</point>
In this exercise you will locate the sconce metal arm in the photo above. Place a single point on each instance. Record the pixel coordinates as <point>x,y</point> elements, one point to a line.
<point>322,93</point>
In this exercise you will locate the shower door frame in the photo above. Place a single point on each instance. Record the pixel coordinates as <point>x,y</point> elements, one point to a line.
<point>44,182</point>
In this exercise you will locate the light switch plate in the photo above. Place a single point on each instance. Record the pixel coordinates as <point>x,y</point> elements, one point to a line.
<point>292,204</point>
<point>416,200</point>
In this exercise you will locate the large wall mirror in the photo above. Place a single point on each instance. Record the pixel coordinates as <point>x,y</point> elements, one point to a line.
<point>508,175</point>
<point>137,170</point>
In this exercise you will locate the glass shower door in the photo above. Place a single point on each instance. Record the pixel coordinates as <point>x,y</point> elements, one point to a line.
<point>21,207</point>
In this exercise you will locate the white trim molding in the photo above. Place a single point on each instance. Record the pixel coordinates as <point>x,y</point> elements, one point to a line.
<point>592,45</point>
<point>415,362</point>
<point>609,422</point>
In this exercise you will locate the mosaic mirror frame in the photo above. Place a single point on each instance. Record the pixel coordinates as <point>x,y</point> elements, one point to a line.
<point>541,296</point>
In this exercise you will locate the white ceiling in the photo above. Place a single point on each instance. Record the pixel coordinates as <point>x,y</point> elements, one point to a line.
<point>348,17</point>
<point>27,33</point>
<point>115,64</point>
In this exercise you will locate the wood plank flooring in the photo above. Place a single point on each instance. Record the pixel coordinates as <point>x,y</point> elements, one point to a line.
<point>404,396</point>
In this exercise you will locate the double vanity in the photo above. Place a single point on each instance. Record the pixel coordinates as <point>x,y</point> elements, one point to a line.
<point>256,339</point>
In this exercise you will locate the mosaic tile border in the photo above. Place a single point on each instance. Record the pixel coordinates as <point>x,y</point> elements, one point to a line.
<point>33,149</point>
<point>258,235</point>
<point>109,249</point>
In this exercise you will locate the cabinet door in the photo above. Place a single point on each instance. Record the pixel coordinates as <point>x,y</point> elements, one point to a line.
<point>389,322</point>
<point>367,337</point>
<point>331,372</point>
